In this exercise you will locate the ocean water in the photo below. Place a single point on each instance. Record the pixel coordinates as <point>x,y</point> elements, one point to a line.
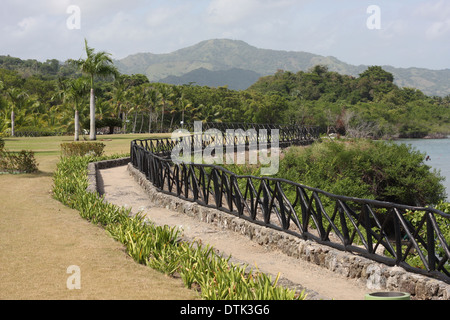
<point>438,151</point>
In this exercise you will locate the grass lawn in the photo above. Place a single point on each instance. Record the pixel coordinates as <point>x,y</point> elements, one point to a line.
<point>40,238</point>
<point>48,149</point>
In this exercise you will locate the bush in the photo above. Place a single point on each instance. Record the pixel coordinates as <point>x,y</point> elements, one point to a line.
<point>366,169</point>
<point>2,144</point>
<point>32,131</point>
<point>82,149</point>
<point>18,162</point>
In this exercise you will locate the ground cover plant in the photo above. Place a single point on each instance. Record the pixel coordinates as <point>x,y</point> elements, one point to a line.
<point>160,247</point>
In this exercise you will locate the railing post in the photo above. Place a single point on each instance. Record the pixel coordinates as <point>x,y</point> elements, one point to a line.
<point>430,243</point>
<point>398,237</point>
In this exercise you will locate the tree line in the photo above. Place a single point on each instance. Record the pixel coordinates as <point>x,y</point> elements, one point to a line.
<point>79,95</point>
<point>368,106</point>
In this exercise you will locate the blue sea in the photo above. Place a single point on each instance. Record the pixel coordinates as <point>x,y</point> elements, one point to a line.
<point>438,151</point>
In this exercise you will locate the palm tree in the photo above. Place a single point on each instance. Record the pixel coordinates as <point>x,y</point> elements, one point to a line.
<point>166,94</point>
<point>185,106</point>
<point>75,90</point>
<point>117,96</point>
<point>95,64</point>
<point>18,99</point>
<point>138,99</point>
<point>153,99</point>
<point>127,107</point>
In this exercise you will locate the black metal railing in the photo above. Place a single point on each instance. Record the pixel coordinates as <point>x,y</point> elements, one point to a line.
<point>381,231</point>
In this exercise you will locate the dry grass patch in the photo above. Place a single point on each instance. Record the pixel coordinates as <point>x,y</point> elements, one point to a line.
<point>40,238</point>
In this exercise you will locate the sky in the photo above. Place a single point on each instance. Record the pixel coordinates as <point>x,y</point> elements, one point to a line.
<point>400,33</point>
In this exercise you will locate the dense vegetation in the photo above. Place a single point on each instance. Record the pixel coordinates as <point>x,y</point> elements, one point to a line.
<point>365,169</point>
<point>368,106</point>
<point>359,168</point>
<point>44,95</point>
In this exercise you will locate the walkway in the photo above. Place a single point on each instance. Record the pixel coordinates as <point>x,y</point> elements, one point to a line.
<point>120,188</point>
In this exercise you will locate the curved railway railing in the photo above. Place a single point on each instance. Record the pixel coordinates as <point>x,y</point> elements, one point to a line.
<point>381,231</point>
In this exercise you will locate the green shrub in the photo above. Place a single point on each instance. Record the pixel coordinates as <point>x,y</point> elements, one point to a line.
<point>18,162</point>
<point>95,149</point>
<point>2,143</point>
<point>31,131</point>
<point>368,169</point>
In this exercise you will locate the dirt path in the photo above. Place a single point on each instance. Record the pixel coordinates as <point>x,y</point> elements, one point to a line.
<point>120,188</point>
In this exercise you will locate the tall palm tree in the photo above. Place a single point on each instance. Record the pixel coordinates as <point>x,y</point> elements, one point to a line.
<point>127,107</point>
<point>117,96</point>
<point>18,99</point>
<point>73,90</point>
<point>166,94</point>
<point>95,64</point>
<point>76,90</point>
<point>153,100</point>
<point>186,107</point>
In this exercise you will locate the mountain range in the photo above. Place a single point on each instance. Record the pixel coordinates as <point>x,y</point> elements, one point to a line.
<point>236,64</point>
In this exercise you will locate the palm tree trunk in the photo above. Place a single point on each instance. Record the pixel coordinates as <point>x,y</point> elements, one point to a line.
<point>92,133</point>
<point>135,121</point>
<point>13,122</point>
<point>142,122</point>
<point>171,121</point>
<point>182,120</point>
<point>150,121</point>
<point>162,117</point>
<point>125,116</point>
<point>77,126</point>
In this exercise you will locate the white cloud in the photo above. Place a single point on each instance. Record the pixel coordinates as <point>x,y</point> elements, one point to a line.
<point>435,17</point>
<point>227,12</point>
<point>439,30</point>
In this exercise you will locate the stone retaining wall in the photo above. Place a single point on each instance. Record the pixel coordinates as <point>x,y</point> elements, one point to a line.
<point>93,168</point>
<point>375,276</point>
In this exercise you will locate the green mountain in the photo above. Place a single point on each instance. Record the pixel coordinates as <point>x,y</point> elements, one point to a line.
<point>224,57</point>
<point>235,79</point>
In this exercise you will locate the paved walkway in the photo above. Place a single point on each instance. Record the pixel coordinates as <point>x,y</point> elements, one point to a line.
<point>121,189</point>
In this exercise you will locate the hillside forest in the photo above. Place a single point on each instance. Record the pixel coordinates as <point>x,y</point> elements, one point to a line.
<point>44,95</point>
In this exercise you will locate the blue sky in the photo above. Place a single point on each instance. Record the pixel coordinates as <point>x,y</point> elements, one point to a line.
<point>412,33</point>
